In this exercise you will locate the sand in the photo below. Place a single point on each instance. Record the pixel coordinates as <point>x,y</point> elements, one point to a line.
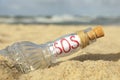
<point>99,61</point>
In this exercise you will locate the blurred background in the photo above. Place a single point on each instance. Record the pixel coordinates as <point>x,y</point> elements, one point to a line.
<point>104,12</point>
<point>40,21</point>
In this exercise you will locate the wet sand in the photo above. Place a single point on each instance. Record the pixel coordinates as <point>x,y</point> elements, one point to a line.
<point>98,61</point>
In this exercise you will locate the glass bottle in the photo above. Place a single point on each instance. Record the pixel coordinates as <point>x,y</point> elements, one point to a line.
<point>27,56</point>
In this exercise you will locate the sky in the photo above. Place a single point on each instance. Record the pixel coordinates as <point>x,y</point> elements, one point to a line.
<point>60,7</point>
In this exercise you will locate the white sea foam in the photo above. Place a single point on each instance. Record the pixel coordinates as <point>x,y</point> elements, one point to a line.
<point>63,18</point>
<point>59,19</point>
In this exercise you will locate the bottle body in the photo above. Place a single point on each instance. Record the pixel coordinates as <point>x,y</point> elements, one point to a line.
<point>27,56</point>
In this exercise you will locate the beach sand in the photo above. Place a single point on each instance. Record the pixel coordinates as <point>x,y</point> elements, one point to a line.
<point>98,61</point>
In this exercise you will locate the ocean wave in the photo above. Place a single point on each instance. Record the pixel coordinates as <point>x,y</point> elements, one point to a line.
<point>56,19</point>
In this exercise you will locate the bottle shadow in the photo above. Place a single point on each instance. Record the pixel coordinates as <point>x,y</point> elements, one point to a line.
<point>98,56</point>
<point>94,57</point>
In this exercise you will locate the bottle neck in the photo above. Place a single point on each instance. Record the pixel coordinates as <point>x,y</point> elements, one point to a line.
<point>87,36</point>
<point>64,45</point>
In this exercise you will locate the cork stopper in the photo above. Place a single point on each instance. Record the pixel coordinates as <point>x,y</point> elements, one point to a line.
<point>96,32</point>
<point>90,34</point>
<point>99,31</point>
